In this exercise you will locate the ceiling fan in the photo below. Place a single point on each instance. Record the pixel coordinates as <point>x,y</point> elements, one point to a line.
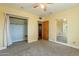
<point>41,5</point>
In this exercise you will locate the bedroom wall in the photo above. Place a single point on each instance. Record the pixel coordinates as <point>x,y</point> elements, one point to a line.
<point>32,22</point>
<point>72,17</point>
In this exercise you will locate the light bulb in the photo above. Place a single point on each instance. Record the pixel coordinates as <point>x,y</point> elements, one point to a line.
<point>64,19</point>
<point>42,6</point>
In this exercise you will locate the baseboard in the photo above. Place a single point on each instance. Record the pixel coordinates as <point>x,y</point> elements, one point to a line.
<point>32,41</point>
<point>19,40</point>
<point>66,45</point>
<point>3,48</point>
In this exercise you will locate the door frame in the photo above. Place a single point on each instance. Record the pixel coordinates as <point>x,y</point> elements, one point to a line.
<point>42,29</point>
<point>7,15</point>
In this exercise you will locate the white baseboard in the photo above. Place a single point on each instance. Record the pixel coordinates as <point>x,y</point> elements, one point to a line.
<point>3,48</point>
<point>66,44</point>
<point>19,40</point>
<point>32,41</point>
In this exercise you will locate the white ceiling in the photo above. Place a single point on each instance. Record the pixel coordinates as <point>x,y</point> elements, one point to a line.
<point>52,8</point>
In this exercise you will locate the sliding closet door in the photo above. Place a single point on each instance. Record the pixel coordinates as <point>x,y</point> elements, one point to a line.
<point>17,32</point>
<point>17,29</point>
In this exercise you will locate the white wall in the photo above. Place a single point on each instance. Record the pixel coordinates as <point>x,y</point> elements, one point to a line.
<point>72,17</point>
<point>32,22</point>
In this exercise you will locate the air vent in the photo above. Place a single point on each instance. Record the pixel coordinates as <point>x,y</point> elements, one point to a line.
<point>40,18</point>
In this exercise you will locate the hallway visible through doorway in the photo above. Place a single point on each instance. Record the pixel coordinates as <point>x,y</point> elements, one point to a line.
<point>43,30</point>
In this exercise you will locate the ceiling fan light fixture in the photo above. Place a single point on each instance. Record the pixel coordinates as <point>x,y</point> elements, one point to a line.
<point>42,6</point>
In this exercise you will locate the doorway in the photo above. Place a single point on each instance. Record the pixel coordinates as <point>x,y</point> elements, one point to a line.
<point>40,30</point>
<point>43,30</point>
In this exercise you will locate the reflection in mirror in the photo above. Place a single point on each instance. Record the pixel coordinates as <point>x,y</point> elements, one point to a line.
<point>61,30</point>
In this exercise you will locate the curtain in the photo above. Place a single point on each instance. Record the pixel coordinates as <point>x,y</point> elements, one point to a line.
<point>7,36</point>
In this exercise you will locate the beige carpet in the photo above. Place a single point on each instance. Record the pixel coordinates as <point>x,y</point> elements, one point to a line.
<point>39,48</point>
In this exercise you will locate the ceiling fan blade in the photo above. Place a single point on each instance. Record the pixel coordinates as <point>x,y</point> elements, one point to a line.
<point>35,5</point>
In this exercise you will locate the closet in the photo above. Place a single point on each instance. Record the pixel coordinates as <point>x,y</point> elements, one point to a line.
<point>18,29</point>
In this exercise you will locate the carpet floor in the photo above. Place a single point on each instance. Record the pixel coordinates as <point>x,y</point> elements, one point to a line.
<point>39,48</point>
